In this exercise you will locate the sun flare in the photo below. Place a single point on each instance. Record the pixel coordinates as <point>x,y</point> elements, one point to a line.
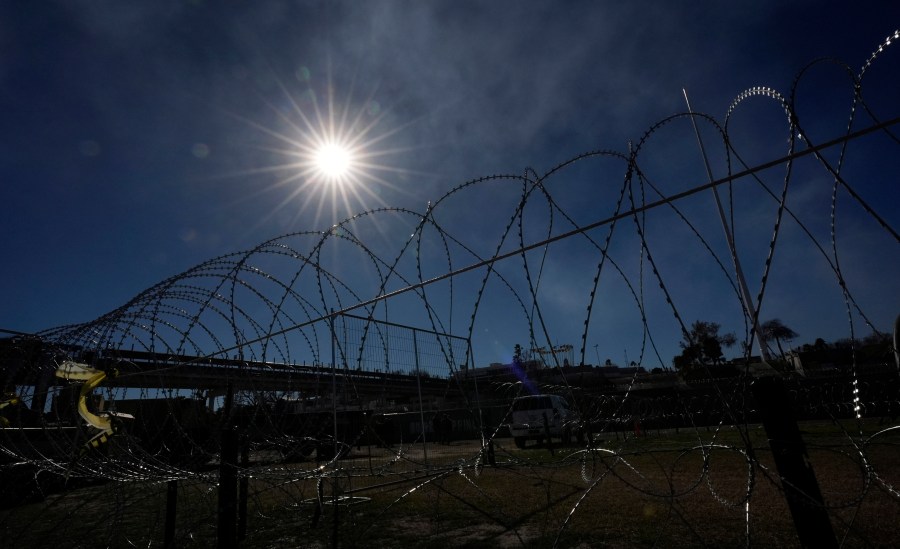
<point>330,158</point>
<point>333,161</point>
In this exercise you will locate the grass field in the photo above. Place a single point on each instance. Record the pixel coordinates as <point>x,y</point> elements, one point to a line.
<point>671,489</point>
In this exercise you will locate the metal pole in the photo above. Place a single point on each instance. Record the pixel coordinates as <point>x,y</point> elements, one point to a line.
<point>742,283</point>
<point>228,489</point>
<point>334,385</point>
<point>800,485</point>
<point>419,388</point>
<point>243,487</point>
<point>171,513</point>
<point>334,419</point>
<point>801,488</point>
<point>481,429</point>
<point>227,476</point>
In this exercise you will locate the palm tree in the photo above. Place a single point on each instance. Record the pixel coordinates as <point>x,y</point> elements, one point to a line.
<point>774,329</point>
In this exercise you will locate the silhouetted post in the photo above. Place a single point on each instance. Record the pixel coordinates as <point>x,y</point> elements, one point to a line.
<point>228,488</point>
<point>171,514</point>
<point>334,414</point>
<point>421,406</point>
<point>228,455</point>
<point>242,492</point>
<point>801,488</point>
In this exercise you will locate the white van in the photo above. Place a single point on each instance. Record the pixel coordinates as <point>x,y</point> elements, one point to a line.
<point>531,417</point>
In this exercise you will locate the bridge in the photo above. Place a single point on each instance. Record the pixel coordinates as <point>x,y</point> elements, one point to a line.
<point>211,375</point>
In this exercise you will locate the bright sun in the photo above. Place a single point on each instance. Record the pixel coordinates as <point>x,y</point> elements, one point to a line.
<point>333,161</point>
<point>333,154</point>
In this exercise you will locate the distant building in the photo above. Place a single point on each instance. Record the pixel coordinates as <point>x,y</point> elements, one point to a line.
<point>498,369</point>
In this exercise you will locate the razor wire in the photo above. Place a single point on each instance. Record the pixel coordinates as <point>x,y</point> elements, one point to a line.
<point>344,361</point>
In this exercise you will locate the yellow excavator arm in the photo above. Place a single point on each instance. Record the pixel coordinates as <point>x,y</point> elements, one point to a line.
<point>92,378</point>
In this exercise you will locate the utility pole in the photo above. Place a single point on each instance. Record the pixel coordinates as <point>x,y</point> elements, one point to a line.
<point>801,488</point>
<point>742,283</point>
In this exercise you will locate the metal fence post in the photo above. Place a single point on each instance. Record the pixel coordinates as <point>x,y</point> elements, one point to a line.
<point>228,489</point>
<point>419,389</point>
<point>242,492</point>
<point>801,488</point>
<point>228,455</point>
<point>171,513</point>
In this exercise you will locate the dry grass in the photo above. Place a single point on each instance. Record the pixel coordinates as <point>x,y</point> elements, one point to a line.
<point>652,491</point>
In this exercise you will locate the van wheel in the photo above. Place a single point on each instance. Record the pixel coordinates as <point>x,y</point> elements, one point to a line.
<point>520,442</point>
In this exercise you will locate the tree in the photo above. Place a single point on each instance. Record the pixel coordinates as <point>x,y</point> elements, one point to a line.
<point>703,345</point>
<point>877,338</point>
<point>517,355</point>
<point>774,329</point>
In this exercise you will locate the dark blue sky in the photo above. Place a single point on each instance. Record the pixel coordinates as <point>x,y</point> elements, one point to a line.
<point>142,138</point>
